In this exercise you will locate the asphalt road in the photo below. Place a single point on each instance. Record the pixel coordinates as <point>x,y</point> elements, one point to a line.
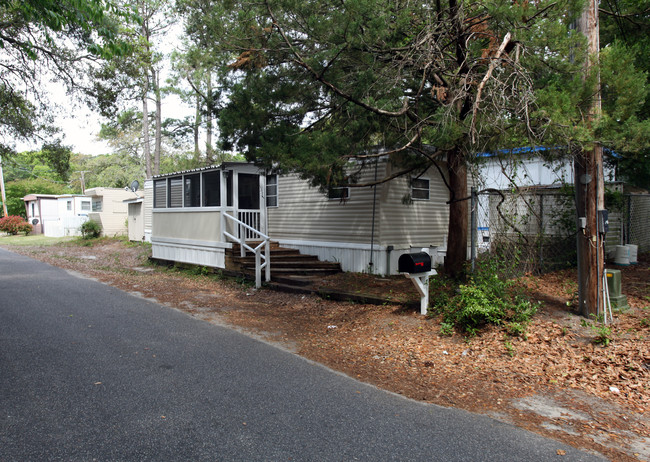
<point>88,372</point>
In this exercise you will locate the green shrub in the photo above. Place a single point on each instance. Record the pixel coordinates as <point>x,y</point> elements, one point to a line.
<point>90,229</point>
<point>489,297</point>
<point>446,329</point>
<point>13,225</point>
<point>603,335</point>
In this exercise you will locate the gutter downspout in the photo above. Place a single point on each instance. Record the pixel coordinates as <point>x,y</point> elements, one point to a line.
<point>374,207</point>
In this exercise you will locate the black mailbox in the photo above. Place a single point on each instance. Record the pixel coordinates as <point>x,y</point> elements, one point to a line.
<point>414,263</point>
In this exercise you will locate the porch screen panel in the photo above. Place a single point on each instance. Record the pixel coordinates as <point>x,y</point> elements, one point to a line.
<point>176,192</point>
<point>212,189</point>
<point>160,194</point>
<point>192,190</point>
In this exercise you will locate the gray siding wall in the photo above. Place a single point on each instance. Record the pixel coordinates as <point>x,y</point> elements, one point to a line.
<point>305,219</point>
<point>422,223</point>
<point>304,213</point>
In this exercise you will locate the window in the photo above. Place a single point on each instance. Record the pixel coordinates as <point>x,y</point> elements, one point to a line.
<point>160,193</point>
<point>192,190</point>
<point>338,193</point>
<point>97,205</point>
<point>33,209</point>
<point>69,205</point>
<point>85,206</point>
<point>175,192</point>
<point>212,189</point>
<point>420,189</point>
<point>271,190</point>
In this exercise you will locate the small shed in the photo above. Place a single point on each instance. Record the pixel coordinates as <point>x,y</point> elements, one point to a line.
<point>135,219</point>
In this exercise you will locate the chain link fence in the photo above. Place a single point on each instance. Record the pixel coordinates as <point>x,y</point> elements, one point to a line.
<point>535,228</point>
<point>636,221</point>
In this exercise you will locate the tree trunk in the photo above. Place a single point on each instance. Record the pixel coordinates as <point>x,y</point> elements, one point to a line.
<point>197,125</point>
<point>589,184</point>
<point>458,214</point>
<point>145,136</point>
<point>155,77</point>
<point>208,122</point>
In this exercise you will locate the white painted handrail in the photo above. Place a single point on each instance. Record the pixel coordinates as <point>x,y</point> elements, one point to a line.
<point>264,246</point>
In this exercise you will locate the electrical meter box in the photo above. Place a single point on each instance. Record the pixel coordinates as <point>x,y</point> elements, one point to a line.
<point>603,221</point>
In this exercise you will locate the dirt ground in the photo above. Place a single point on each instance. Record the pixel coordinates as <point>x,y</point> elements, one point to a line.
<point>555,380</point>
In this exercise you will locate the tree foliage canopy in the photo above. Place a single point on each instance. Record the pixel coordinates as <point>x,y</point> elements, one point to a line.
<point>316,83</point>
<point>48,37</point>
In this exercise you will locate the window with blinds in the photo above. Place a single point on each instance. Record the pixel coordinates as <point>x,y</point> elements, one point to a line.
<point>420,189</point>
<point>175,192</point>
<point>160,194</point>
<point>341,194</point>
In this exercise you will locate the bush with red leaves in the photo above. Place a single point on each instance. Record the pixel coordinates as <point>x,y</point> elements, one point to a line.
<point>13,224</point>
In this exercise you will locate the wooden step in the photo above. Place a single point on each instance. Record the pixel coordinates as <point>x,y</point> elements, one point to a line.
<point>288,266</point>
<point>295,280</point>
<point>297,259</point>
<point>273,246</point>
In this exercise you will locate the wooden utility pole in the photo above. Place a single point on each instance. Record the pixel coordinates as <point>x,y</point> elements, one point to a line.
<point>2,190</point>
<point>589,181</point>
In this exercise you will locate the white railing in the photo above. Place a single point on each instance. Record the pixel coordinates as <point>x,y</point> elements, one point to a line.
<point>262,251</point>
<point>253,219</point>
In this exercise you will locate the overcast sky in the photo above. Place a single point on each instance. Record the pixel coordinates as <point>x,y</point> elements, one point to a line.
<point>81,126</point>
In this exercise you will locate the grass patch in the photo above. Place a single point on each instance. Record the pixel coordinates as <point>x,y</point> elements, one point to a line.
<point>34,239</point>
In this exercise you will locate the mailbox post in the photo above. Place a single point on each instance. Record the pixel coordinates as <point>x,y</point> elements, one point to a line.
<point>417,267</point>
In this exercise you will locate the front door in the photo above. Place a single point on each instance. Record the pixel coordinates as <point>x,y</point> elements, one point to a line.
<point>249,201</point>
